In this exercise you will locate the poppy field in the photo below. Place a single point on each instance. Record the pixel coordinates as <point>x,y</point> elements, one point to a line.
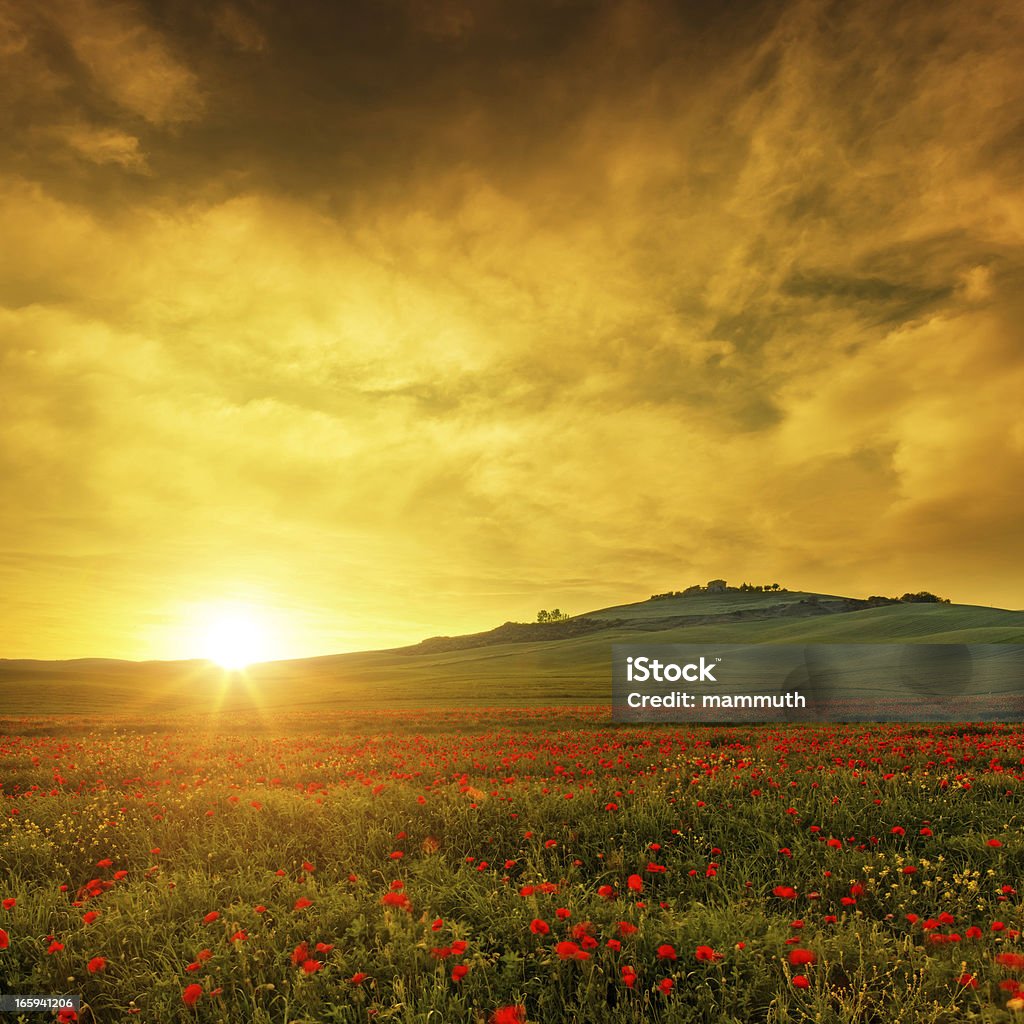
<point>511,866</point>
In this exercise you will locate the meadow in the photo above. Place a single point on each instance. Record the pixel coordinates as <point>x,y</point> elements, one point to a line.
<point>512,866</point>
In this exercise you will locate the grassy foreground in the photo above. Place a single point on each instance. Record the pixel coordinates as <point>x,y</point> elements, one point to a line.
<point>519,867</point>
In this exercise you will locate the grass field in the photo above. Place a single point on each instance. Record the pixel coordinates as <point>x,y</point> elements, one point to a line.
<point>539,866</point>
<point>550,672</point>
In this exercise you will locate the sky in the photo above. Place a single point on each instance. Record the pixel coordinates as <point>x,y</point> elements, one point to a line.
<point>377,321</point>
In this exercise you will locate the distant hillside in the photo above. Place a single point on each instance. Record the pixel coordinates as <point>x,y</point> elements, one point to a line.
<point>514,664</point>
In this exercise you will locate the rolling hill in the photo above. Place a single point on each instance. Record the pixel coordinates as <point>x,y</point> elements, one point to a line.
<point>516,664</point>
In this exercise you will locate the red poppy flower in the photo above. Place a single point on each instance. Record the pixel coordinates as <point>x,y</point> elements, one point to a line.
<point>211,917</point>
<point>509,1015</point>
<point>993,842</point>
<point>324,947</point>
<point>358,978</point>
<point>706,954</point>
<point>666,985</point>
<point>666,952</point>
<point>97,963</point>
<point>5,939</point>
<point>625,928</point>
<point>1015,961</point>
<point>635,883</point>
<point>55,947</point>
<point>300,953</point>
<point>784,892</point>
<point>628,976</point>
<point>570,951</point>
<point>190,995</point>
<point>539,927</point>
<point>801,957</point>
<point>10,903</point>
<point>967,980</point>
<point>800,981</point>
<point>606,892</point>
<point>311,966</point>
<point>459,971</point>
<point>302,902</point>
<point>90,916</point>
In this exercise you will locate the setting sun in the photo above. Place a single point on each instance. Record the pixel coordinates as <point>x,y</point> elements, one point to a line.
<point>234,637</point>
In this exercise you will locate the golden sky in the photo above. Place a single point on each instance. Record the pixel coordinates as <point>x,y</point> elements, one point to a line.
<point>390,319</point>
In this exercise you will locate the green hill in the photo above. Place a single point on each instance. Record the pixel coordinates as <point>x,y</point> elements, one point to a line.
<point>517,664</point>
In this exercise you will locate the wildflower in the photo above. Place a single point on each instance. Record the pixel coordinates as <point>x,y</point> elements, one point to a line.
<point>96,964</point>
<point>967,980</point>
<point>358,978</point>
<point>628,976</point>
<point>800,981</point>
<point>311,966</point>
<point>459,971</point>
<point>666,985</point>
<point>705,954</point>
<point>539,927</point>
<point>509,1015</point>
<point>801,957</point>
<point>570,951</point>
<point>10,903</point>
<point>784,892</point>
<point>211,917</point>
<point>5,939</point>
<point>396,899</point>
<point>302,902</point>
<point>635,883</point>
<point>190,995</point>
<point>666,952</point>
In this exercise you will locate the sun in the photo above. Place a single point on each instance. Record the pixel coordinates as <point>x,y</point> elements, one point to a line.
<point>234,638</point>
